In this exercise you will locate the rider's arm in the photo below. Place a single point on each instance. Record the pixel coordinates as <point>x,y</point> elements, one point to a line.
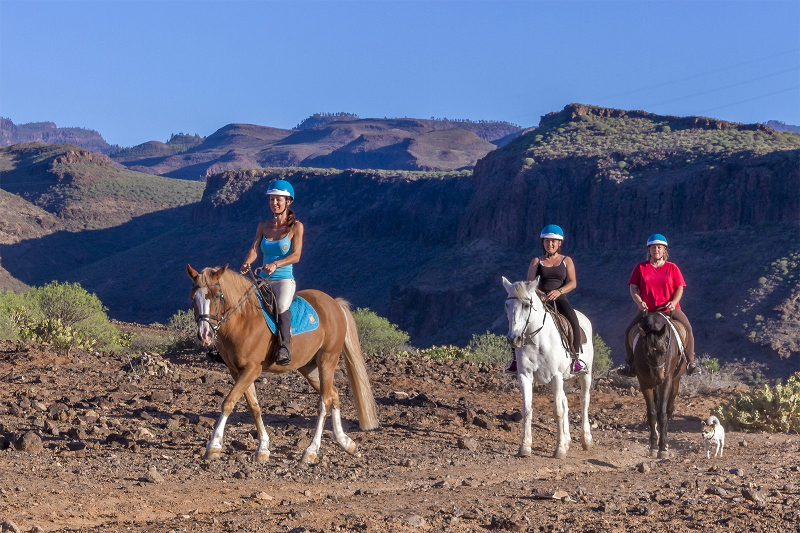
<point>294,256</point>
<point>532,269</point>
<point>571,283</point>
<point>676,297</point>
<point>637,297</point>
<point>252,253</point>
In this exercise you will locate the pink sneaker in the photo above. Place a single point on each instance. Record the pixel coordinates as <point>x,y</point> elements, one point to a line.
<point>578,368</point>
<point>512,368</point>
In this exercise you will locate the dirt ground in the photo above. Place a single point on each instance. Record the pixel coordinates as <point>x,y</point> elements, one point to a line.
<point>122,438</point>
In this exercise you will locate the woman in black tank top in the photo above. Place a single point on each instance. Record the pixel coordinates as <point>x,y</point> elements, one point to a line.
<point>556,273</point>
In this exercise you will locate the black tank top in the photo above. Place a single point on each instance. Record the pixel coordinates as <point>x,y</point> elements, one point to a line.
<point>551,278</point>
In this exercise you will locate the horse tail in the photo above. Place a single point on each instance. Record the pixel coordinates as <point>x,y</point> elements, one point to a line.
<point>357,373</point>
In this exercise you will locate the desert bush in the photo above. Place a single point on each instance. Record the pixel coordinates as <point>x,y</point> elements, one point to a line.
<point>447,351</point>
<point>714,378</point>
<point>377,334</point>
<point>775,409</point>
<point>150,342</point>
<point>488,348</point>
<point>602,356</point>
<point>183,322</point>
<point>62,314</point>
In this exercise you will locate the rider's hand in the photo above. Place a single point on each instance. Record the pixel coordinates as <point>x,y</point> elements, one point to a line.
<point>670,305</point>
<point>270,268</point>
<point>642,306</point>
<point>552,295</point>
<point>245,268</point>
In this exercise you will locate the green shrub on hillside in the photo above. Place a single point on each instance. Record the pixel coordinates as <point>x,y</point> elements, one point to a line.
<point>377,334</point>
<point>488,348</point>
<point>62,314</point>
<point>775,409</point>
<point>602,356</point>
<point>447,351</point>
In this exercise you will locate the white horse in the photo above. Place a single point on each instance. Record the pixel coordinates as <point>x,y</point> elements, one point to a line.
<point>542,359</point>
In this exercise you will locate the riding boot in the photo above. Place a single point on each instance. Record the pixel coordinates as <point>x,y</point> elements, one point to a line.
<point>692,368</point>
<point>627,369</point>
<point>578,367</point>
<point>284,356</point>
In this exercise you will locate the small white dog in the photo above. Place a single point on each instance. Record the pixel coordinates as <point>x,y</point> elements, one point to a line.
<point>713,433</point>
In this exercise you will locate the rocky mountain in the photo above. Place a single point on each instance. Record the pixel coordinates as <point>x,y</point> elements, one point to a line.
<point>427,249</point>
<point>782,126</point>
<point>328,142</point>
<point>47,132</point>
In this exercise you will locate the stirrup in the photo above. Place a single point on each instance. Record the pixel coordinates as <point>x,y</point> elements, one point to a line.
<point>283,357</point>
<point>626,371</point>
<point>578,368</point>
<point>693,372</point>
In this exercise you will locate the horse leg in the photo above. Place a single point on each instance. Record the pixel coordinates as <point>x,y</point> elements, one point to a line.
<point>586,432</point>
<point>311,373</point>
<point>329,403</point>
<point>526,387</point>
<point>665,413</point>
<point>651,419</point>
<point>262,453</point>
<point>244,379</point>
<point>561,412</point>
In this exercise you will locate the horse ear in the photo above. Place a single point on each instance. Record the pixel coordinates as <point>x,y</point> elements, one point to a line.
<point>192,272</point>
<point>507,285</point>
<point>216,274</point>
<point>531,287</point>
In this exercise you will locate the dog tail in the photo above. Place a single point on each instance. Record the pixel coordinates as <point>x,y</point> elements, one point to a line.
<point>711,420</point>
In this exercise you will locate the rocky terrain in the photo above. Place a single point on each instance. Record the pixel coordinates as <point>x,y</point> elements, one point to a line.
<point>48,132</point>
<point>347,142</point>
<point>107,442</point>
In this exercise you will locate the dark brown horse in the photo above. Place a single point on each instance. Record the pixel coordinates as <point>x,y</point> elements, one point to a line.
<point>659,365</point>
<point>229,315</point>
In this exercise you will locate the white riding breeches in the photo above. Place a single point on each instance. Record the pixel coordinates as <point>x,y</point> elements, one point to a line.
<point>284,290</point>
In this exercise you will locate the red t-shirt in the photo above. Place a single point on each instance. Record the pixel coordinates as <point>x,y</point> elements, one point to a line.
<point>657,285</point>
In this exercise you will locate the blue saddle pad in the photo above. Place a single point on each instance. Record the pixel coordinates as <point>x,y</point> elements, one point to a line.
<point>304,317</point>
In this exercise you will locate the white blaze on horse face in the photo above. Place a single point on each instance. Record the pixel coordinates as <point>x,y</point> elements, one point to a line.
<point>203,306</point>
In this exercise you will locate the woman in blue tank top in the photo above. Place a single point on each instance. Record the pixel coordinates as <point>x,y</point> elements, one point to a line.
<point>280,240</point>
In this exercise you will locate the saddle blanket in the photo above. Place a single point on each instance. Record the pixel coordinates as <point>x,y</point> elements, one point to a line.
<point>304,317</point>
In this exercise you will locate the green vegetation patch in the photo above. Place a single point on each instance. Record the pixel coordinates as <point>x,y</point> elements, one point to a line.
<point>774,409</point>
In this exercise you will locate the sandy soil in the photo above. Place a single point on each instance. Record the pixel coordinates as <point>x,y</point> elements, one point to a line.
<point>122,439</point>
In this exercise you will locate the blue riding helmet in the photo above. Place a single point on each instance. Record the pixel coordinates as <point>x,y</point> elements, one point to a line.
<point>551,231</point>
<point>656,238</point>
<point>281,188</point>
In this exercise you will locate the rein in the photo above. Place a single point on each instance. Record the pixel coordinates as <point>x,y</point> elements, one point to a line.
<point>527,339</point>
<point>226,314</point>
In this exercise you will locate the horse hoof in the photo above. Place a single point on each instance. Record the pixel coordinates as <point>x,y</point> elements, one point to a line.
<point>524,451</point>
<point>351,448</point>
<point>262,457</point>
<point>587,445</point>
<point>213,454</point>
<point>664,454</point>
<point>653,452</point>
<point>309,458</point>
<point>559,454</point>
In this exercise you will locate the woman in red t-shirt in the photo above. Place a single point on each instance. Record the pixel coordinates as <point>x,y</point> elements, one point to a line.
<point>657,284</point>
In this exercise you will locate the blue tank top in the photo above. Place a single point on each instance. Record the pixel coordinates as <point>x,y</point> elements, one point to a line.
<point>274,250</point>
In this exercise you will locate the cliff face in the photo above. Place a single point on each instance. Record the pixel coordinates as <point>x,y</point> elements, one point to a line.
<point>47,132</point>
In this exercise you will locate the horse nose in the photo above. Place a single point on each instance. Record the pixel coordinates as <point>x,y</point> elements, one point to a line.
<point>513,341</point>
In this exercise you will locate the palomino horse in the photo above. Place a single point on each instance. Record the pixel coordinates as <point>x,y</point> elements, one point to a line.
<point>657,362</point>
<point>228,313</point>
<point>542,359</point>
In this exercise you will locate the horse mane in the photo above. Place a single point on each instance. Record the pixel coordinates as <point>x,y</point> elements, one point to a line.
<point>520,291</point>
<point>234,286</point>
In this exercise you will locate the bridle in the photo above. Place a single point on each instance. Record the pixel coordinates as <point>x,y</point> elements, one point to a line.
<point>527,339</point>
<point>666,351</point>
<point>225,314</point>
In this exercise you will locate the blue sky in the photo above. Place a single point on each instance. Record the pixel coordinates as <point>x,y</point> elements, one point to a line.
<point>139,71</point>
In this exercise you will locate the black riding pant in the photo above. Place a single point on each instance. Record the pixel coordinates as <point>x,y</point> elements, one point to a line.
<point>564,307</point>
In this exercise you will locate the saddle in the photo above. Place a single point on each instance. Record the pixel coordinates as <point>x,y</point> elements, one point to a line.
<point>564,327</point>
<point>633,334</point>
